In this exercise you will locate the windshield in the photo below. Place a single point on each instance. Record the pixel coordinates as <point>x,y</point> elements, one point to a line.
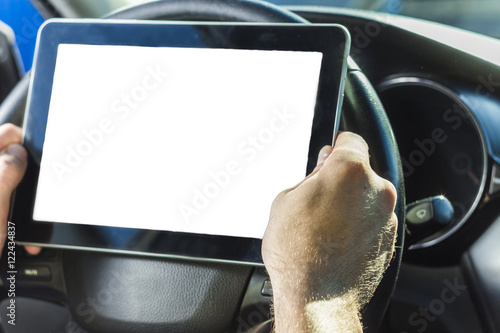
<point>480,16</point>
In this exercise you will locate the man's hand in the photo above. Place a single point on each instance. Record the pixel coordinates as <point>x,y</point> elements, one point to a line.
<point>329,240</point>
<point>13,161</point>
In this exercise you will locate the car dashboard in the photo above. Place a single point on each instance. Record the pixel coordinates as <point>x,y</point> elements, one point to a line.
<point>440,87</point>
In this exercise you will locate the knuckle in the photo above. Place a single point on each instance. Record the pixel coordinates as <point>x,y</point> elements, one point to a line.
<point>390,190</point>
<point>354,169</point>
<point>352,140</point>
<point>10,170</point>
<point>10,163</point>
<point>279,199</point>
<point>394,220</point>
<point>351,136</point>
<point>388,194</point>
<point>359,139</point>
<point>10,128</point>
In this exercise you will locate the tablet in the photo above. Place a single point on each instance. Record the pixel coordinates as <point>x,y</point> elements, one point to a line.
<point>173,139</point>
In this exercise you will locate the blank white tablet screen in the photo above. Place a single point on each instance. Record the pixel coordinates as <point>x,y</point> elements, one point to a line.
<point>177,139</point>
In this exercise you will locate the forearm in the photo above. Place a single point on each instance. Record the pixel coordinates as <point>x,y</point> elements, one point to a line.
<point>296,312</point>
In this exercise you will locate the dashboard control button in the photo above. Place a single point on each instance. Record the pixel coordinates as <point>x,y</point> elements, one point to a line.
<point>428,216</point>
<point>266,288</point>
<point>419,212</point>
<point>495,180</point>
<point>34,273</point>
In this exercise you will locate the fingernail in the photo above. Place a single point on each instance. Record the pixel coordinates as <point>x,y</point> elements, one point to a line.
<point>324,153</point>
<point>17,151</point>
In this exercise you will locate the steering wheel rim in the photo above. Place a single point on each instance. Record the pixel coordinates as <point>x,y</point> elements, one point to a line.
<point>363,113</point>
<point>363,109</point>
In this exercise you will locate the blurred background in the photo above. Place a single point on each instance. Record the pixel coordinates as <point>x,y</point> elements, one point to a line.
<point>25,16</point>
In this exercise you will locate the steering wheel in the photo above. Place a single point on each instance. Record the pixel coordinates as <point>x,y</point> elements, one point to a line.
<point>165,295</point>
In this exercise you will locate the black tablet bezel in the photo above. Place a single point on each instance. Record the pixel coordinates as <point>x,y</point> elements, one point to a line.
<point>331,40</point>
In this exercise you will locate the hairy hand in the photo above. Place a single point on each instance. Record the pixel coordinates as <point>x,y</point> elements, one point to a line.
<point>330,238</point>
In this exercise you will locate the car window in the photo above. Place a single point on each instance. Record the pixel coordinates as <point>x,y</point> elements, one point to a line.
<point>475,15</point>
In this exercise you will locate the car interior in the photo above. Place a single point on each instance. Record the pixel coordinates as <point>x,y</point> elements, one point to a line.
<point>423,93</point>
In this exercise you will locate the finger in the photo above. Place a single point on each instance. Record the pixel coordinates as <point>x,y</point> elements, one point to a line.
<point>13,161</point>
<point>323,154</point>
<point>386,192</point>
<point>348,146</point>
<point>9,133</point>
<point>351,146</point>
<point>33,250</point>
<point>327,150</point>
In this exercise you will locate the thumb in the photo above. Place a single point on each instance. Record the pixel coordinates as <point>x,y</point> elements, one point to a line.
<point>323,154</point>
<point>13,161</point>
